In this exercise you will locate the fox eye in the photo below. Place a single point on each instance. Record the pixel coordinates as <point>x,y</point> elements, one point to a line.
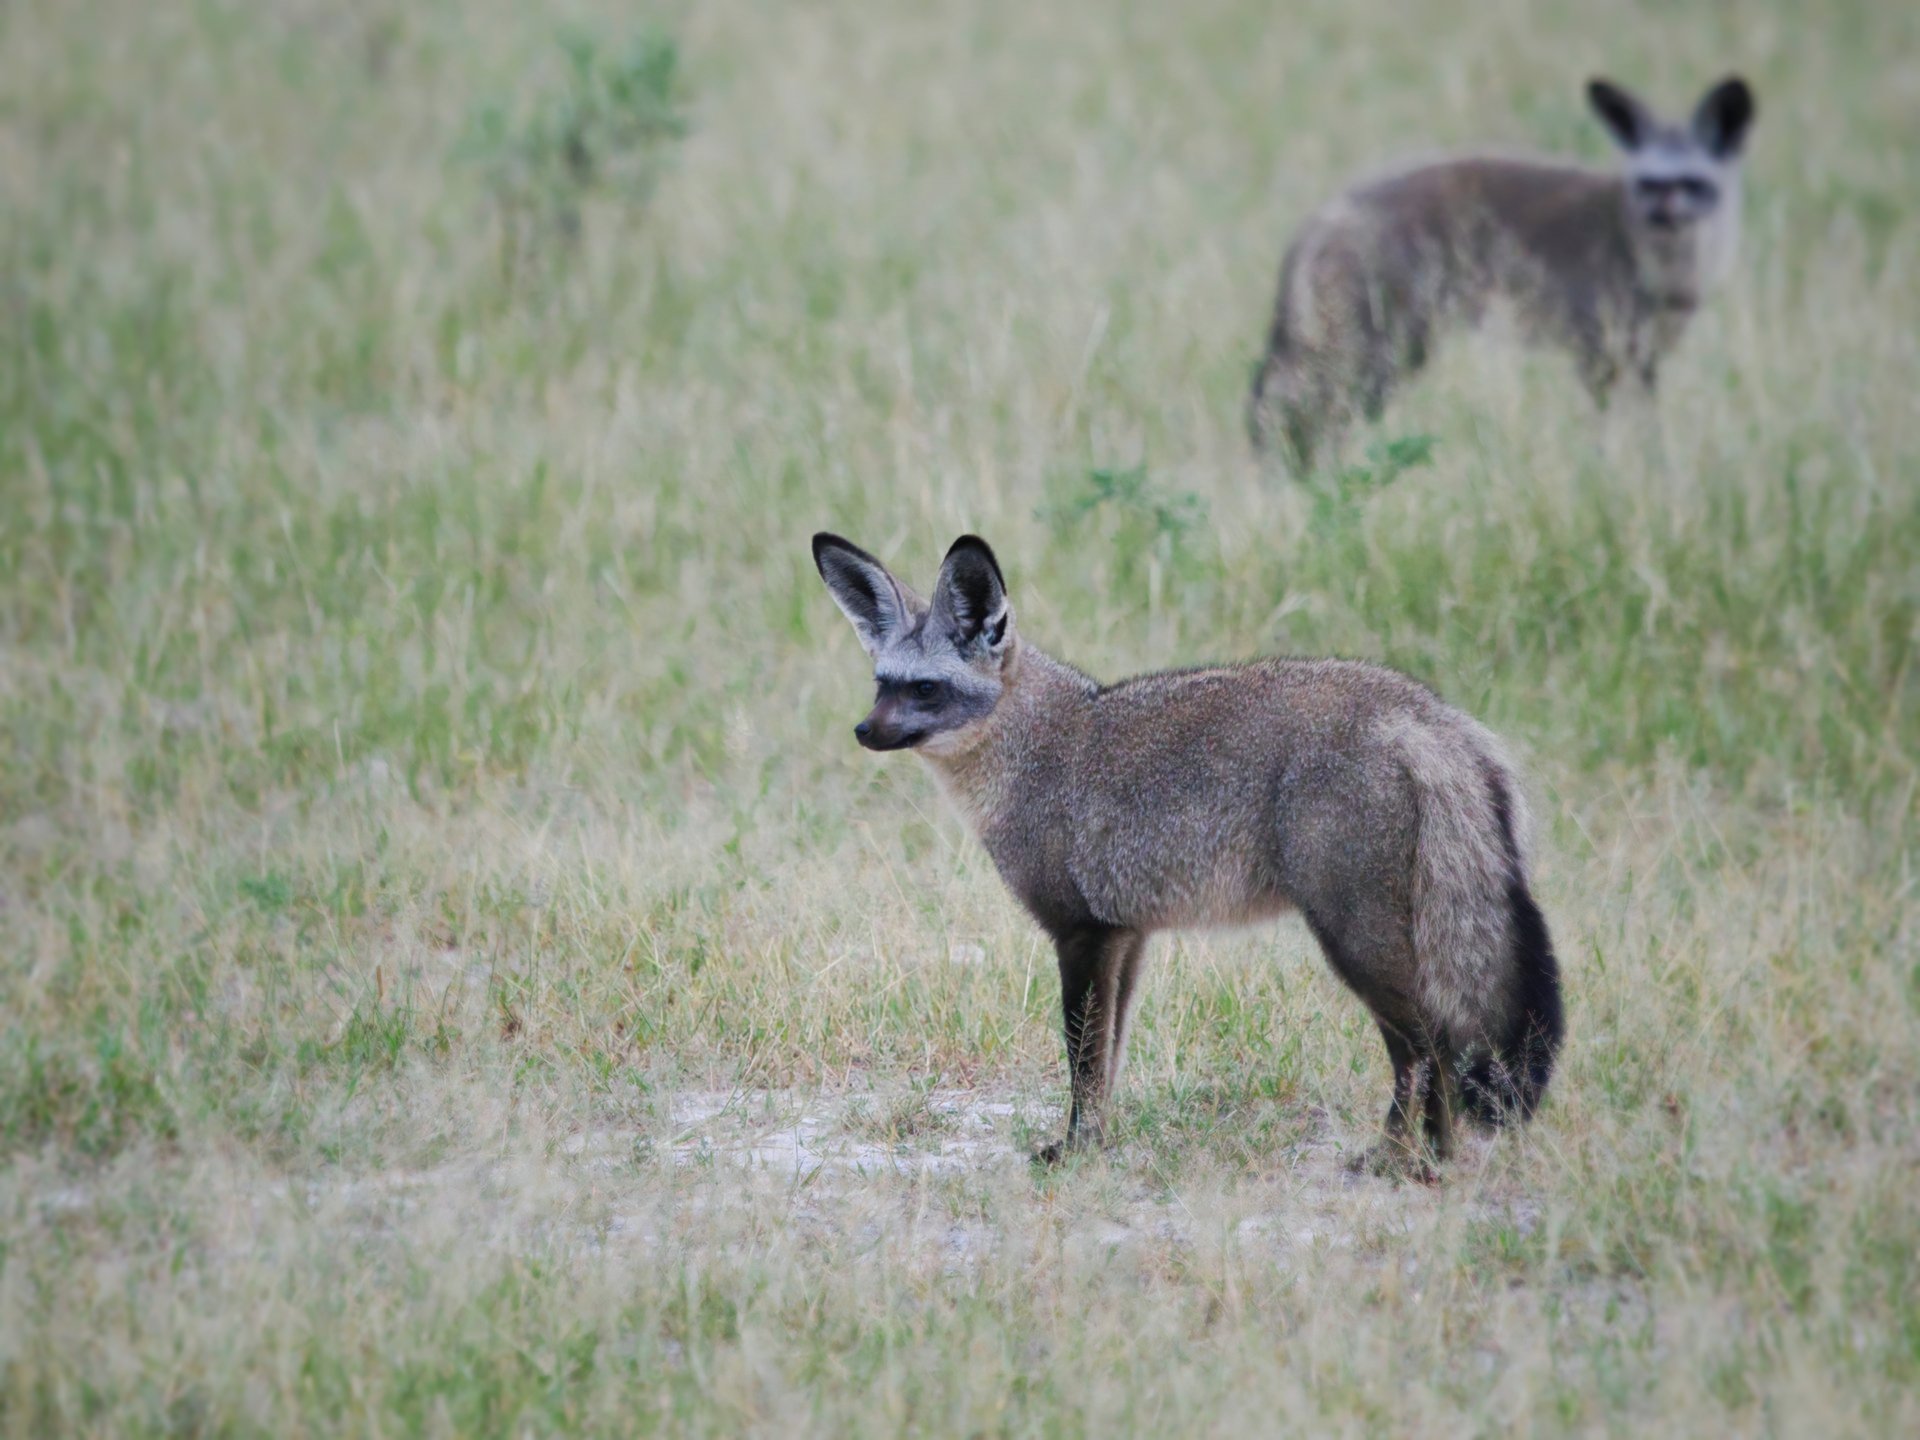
<point>926,689</point>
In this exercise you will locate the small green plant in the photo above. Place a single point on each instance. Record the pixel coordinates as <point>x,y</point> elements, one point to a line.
<point>1337,498</point>
<point>271,891</point>
<point>1129,492</point>
<point>603,129</point>
<point>1146,527</point>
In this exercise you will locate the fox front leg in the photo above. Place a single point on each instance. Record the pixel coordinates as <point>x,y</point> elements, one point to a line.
<point>1093,963</point>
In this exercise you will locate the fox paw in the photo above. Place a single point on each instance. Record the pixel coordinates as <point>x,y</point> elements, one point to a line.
<point>1057,1151</point>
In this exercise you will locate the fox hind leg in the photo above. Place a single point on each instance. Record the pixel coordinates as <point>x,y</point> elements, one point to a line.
<point>1293,408</point>
<point>1442,1101</point>
<point>1407,1103</point>
<point>1369,944</point>
<point>1418,1079</point>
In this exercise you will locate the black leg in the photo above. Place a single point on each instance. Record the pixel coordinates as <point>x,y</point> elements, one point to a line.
<point>1599,370</point>
<point>1441,1081</point>
<point>1089,1002</point>
<point>1303,439</point>
<point>1406,1085</point>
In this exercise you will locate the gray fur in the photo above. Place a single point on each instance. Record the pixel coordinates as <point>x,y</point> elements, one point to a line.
<point>1229,795</point>
<point>1608,265</point>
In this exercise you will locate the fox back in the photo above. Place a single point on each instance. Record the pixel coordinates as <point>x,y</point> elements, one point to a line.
<point>1609,265</point>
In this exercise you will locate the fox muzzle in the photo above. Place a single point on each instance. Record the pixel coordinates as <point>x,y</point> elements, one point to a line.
<point>881,731</point>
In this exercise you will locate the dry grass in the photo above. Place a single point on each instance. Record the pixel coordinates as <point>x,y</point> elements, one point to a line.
<point>457,974</point>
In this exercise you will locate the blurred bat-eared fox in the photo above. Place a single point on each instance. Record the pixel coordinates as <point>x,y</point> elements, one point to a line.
<point>1609,265</point>
<point>1390,821</point>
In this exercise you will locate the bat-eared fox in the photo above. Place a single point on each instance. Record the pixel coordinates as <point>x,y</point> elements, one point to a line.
<point>1389,820</point>
<point>1609,265</point>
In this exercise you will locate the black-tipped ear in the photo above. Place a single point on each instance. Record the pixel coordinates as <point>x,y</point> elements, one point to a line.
<point>877,604</point>
<point>1721,119</point>
<point>1628,120</point>
<point>970,600</point>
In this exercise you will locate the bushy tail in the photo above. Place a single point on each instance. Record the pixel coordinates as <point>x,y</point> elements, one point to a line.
<point>1509,1082</point>
<point>1487,974</point>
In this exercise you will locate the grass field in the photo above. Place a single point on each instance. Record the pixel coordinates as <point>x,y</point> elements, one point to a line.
<point>457,973</point>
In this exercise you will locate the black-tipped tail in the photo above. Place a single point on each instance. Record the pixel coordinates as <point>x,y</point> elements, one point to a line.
<point>1509,1083</point>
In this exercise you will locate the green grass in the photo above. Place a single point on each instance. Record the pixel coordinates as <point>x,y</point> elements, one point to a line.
<point>458,975</point>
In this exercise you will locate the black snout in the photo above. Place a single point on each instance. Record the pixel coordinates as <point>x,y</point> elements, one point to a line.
<point>881,732</point>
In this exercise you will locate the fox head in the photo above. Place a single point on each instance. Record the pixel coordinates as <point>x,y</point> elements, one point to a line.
<point>1682,180</point>
<point>939,666</point>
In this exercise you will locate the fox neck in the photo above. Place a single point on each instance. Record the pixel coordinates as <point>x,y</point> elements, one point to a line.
<point>1035,725</point>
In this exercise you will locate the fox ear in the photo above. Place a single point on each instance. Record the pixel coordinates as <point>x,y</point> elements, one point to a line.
<point>876,603</point>
<point>1721,119</point>
<point>1627,119</point>
<point>970,599</point>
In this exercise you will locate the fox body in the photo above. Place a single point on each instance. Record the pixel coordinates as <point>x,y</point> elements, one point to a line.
<point>1609,265</point>
<point>1222,796</point>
